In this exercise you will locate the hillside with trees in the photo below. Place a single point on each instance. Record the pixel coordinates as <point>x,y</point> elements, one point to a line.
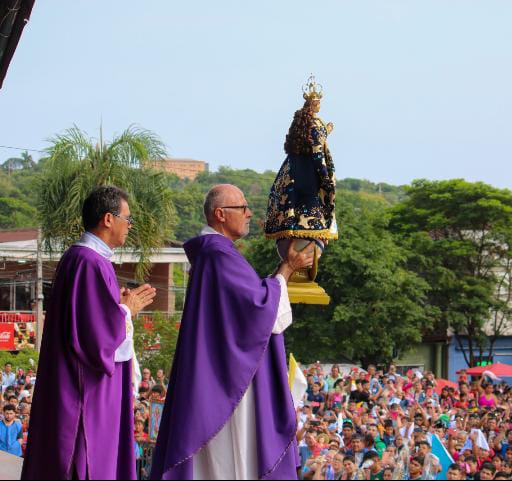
<point>411,260</point>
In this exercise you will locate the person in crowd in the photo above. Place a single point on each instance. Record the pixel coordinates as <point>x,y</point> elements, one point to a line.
<point>8,377</point>
<point>350,469</point>
<point>487,472</point>
<point>161,379</point>
<point>455,472</point>
<point>158,393</point>
<point>317,399</point>
<point>348,433</point>
<point>333,377</point>
<point>11,432</point>
<point>487,398</point>
<point>147,379</point>
<point>372,465</point>
<point>310,449</point>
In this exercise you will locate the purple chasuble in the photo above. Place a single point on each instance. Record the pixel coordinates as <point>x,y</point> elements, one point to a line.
<point>225,344</point>
<point>82,415</point>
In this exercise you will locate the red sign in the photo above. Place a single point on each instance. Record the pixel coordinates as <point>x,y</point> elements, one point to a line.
<point>6,337</point>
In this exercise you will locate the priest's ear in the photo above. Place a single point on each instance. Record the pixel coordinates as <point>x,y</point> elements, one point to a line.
<point>219,215</point>
<point>107,221</point>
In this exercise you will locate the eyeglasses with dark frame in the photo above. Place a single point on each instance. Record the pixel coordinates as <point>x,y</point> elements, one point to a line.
<point>244,207</point>
<point>130,220</point>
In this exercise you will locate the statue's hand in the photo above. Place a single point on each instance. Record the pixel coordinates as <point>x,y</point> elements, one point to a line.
<point>330,127</point>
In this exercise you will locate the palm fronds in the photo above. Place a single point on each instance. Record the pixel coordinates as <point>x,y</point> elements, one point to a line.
<point>76,165</point>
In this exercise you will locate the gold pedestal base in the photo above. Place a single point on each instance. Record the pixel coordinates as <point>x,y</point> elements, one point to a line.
<point>307,293</point>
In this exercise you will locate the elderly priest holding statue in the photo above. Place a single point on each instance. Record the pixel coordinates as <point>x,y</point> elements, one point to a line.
<point>229,412</point>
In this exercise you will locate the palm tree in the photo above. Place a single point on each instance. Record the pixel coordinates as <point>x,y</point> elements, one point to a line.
<point>76,165</point>
<point>25,161</point>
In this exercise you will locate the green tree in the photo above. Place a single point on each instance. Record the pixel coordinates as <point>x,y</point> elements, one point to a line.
<point>25,161</point>
<point>26,359</point>
<point>189,204</point>
<point>378,306</point>
<point>461,233</point>
<point>8,187</point>
<point>76,165</point>
<point>155,341</point>
<point>15,213</point>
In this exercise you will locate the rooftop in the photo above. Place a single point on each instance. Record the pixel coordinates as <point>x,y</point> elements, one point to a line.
<point>21,244</point>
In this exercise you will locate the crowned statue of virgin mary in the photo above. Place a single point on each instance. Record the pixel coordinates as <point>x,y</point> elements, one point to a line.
<point>302,200</point>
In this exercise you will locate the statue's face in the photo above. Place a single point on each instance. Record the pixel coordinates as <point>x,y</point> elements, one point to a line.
<point>315,104</point>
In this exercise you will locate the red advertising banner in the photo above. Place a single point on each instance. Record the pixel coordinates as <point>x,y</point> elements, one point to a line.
<point>7,337</point>
<point>24,326</point>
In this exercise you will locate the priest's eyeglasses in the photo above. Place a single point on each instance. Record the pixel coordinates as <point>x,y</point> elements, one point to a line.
<point>130,220</point>
<point>244,207</point>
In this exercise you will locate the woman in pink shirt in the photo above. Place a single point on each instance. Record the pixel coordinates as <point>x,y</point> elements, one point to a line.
<point>487,397</point>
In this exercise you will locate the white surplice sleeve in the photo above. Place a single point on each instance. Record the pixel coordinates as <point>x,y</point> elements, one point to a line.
<point>125,350</point>
<point>284,312</point>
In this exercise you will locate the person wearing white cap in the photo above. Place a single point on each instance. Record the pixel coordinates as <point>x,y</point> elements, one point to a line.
<point>24,395</point>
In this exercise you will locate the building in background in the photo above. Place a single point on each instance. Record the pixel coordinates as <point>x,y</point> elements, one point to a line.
<point>183,168</point>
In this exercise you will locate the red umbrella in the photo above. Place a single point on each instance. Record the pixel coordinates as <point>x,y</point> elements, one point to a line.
<point>499,369</point>
<point>442,383</point>
<point>476,371</point>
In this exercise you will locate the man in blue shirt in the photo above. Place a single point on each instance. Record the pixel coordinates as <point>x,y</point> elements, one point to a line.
<point>8,377</point>
<point>11,432</point>
<point>506,443</point>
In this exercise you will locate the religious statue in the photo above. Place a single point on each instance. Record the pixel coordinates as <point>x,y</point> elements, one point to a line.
<point>302,199</point>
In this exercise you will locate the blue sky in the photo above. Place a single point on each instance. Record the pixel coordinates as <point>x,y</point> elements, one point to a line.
<point>415,88</point>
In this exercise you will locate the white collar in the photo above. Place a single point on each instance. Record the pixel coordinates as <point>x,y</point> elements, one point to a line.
<point>96,244</point>
<point>210,231</point>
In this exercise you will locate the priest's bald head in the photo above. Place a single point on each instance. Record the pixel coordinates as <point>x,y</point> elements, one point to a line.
<point>226,211</point>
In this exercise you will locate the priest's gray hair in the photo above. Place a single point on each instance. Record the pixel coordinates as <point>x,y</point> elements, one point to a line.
<point>214,199</point>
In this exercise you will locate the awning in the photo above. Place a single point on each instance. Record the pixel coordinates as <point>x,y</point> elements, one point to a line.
<point>14,15</point>
<point>442,383</point>
<point>499,370</point>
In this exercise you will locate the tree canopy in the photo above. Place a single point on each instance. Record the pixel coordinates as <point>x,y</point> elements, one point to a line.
<point>461,237</point>
<point>378,307</point>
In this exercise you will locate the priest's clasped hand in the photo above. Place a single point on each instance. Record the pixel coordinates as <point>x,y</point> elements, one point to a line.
<point>297,260</point>
<point>138,299</point>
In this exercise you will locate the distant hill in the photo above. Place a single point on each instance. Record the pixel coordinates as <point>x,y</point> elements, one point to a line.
<point>18,194</point>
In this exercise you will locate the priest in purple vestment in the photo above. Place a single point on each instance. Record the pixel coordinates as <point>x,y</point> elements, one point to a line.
<point>229,412</point>
<point>81,424</point>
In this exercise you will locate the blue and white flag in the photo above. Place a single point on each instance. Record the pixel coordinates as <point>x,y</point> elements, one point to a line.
<point>441,453</point>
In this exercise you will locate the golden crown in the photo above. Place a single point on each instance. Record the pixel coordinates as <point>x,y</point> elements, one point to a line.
<point>312,90</point>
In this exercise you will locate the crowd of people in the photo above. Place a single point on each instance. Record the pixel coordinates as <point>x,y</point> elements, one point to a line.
<point>15,403</point>
<point>16,390</point>
<point>382,425</point>
<point>372,424</point>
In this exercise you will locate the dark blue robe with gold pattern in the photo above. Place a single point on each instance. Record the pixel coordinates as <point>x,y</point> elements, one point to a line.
<point>302,199</point>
